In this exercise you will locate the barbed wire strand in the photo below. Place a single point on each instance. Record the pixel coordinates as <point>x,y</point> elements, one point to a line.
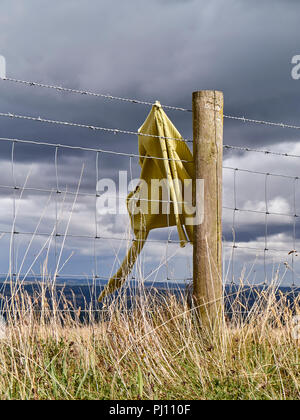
<point>264,151</point>
<point>262,122</point>
<point>89,127</point>
<point>89,93</point>
<point>142,102</point>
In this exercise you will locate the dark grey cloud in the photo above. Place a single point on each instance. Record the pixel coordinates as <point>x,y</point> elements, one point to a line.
<point>147,50</point>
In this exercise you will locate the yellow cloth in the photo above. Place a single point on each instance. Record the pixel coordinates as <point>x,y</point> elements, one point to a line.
<point>174,163</point>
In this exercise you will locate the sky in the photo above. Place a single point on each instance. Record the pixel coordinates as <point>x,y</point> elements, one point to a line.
<point>149,50</point>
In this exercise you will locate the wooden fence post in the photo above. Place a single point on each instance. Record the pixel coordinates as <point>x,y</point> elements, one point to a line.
<point>207,241</point>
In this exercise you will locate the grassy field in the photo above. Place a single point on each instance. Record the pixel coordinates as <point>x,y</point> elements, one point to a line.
<point>158,351</point>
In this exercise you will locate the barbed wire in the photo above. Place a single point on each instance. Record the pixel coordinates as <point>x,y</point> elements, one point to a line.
<point>119,131</point>
<point>89,93</point>
<point>262,122</point>
<point>142,102</point>
<point>89,127</point>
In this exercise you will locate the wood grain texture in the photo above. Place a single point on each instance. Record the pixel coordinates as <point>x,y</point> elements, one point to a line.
<point>207,240</point>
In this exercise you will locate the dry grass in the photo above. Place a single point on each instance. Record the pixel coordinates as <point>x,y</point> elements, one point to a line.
<point>155,351</point>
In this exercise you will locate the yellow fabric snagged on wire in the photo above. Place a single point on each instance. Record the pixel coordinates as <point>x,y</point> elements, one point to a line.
<point>146,211</point>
